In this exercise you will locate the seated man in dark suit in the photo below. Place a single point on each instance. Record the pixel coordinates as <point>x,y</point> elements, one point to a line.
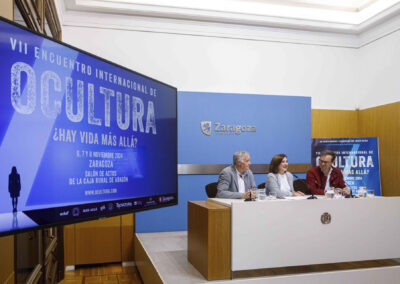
<point>325,176</point>
<point>237,180</point>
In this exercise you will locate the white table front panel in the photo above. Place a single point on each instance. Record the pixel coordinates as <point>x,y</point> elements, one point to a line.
<point>283,233</point>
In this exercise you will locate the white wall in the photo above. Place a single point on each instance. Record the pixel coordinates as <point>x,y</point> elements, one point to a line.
<point>337,71</point>
<point>211,64</point>
<point>379,65</point>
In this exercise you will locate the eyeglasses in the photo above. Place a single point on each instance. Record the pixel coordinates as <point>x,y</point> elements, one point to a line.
<point>325,162</point>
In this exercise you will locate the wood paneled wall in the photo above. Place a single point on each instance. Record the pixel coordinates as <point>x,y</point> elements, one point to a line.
<point>381,121</point>
<point>334,123</point>
<point>7,259</point>
<point>127,233</point>
<point>69,245</point>
<point>384,123</point>
<point>100,241</point>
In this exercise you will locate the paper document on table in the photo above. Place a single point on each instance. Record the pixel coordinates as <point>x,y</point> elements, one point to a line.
<point>296,197</point>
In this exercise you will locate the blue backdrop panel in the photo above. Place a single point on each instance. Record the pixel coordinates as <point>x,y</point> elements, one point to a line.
<point>174,218</point>
<point>282,124</point>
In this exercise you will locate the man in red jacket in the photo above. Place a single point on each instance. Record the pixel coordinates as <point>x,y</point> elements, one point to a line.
<point>325,176</point>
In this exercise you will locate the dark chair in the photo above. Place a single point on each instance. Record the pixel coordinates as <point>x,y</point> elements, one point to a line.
<point>211,189</point>
<point>261,185</point>
<point>300,185</point>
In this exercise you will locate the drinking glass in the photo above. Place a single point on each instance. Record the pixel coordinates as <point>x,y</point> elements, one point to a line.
<point>272,195</point>
<point>338,193</point>
<point>362,191</point>
<point>330,192</point>
<point>262,195</point>
<point>370,193</point>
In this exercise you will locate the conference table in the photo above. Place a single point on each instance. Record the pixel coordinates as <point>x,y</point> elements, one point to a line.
<point>228,235</point>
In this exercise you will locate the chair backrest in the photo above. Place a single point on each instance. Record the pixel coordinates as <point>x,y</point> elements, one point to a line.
<point>211,189</point>
<point>300,185</point>
<point>261,185</point>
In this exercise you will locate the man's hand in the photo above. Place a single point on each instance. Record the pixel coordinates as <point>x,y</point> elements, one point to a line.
<point>344,191</point>
<point>249,193</point>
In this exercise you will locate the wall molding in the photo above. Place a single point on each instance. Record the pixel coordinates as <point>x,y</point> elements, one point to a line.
<point>309,33</point>
<point>207,29</point>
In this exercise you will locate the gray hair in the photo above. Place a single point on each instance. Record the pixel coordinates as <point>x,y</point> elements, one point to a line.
<point>238,156</point>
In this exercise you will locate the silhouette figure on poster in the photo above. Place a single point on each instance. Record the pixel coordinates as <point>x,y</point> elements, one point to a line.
<point>14,187</point>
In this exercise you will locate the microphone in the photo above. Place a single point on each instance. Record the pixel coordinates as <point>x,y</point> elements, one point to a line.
<point>351,193</point>
<point>295,175</point>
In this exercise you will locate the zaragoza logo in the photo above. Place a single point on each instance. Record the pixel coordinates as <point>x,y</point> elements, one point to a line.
<point>226,129</point>
<point>206,127</point>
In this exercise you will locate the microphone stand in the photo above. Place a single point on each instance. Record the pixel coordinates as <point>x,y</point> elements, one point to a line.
<point>351,194</point>
<point>312,194</point>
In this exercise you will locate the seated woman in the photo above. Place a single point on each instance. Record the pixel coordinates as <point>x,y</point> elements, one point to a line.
<point>279,180</point>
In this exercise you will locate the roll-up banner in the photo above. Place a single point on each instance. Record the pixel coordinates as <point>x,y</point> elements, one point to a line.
<point>357,158</point>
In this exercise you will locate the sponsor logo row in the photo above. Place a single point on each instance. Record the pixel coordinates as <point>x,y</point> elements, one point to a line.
<point>89,210</point>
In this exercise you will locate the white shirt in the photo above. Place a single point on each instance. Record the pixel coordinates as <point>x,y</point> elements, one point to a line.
<point>327,185</point>
<point>240,182</point>
<point>285,187</point>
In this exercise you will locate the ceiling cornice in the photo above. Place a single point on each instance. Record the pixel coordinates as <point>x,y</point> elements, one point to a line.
<point>250,12</point>
<point>142,16</point>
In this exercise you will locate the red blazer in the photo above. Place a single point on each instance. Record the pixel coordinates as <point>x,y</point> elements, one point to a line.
<point>316,180</point>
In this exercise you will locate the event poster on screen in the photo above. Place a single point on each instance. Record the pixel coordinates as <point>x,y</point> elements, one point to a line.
<point>357,158</point>
<point>77,129</point>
